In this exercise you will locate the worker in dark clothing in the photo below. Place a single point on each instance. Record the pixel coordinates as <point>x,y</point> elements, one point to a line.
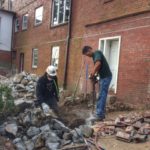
<point>47,89</point>
<point>101,67</point>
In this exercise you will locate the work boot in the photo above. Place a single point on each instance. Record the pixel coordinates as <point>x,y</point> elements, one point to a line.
<point>96,118</point>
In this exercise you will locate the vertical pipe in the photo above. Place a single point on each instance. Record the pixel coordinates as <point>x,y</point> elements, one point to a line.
<point>67,47</point>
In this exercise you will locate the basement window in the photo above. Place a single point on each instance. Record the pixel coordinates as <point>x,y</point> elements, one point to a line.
<point>25,22</point>
<point>60,11</point>
<point>17,25</point>
<point>38,15</point>
<point>55,56</point>
<point>34,58</point>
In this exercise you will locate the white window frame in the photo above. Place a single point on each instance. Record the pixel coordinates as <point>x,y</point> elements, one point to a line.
<point>55,56</point>
<point>17,25</point>
<point>104,50</point>
<point>33,58</point>
<point>40,15</point>
<point>64,14</point>
<point>25,22</point>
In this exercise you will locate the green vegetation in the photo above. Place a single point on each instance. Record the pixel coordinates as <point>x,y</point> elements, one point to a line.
<point>6,99</point>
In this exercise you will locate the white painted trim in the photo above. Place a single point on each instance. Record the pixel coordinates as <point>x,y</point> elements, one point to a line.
<point>34,49</point>
<point>119,46</point>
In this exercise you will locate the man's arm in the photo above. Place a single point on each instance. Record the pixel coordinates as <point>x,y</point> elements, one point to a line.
<point>96,68</point>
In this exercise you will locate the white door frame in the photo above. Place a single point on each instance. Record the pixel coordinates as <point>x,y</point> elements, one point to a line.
<point>119,46</point>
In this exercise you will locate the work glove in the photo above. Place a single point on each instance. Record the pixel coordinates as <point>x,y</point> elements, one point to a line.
<point>45,108</point>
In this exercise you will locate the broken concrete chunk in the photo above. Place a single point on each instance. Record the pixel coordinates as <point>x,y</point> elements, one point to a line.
<point>12,128</point>
<point>18,78</point>
<point>19,144</point>
<point>45,128</point>
<point>50,137</point>
<point>39,141</point>
<point>86,130</point>
<point>29,145</point>
<point>67,136</point>
<point>32,131</point>
<point>2,129</point>
<point>59,126</point>
<point>24,82</point>
<point>52,146</point>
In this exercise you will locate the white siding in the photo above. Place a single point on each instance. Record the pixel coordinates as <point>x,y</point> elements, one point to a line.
<point>5,30</point>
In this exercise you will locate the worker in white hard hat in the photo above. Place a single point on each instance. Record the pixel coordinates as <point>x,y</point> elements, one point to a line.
<point>47,88</point>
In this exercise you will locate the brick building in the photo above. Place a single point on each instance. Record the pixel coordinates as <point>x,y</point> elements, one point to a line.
<point>44,34</point>
<point>6,26</point>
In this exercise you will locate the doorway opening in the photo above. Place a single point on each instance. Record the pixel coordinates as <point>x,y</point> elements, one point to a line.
<point>111,49</point>
<point>21,62</point>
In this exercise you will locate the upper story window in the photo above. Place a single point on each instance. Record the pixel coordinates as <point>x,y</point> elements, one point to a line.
<point>25,22</point>
<point>60,11</point>
<point>38,15</point>
<point>17,25</point>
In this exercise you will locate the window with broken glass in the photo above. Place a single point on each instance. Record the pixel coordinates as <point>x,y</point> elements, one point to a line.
<point>17,25</point>
<point>25,22</point>
<point>35,58</point>
<point>60,11</point>
<point>38,15</point>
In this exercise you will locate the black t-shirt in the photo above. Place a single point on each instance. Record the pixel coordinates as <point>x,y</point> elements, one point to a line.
<point>104,69</point>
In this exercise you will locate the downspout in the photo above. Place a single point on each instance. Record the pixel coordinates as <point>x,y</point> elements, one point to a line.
<point>67,47</point>
<point>12,43</point>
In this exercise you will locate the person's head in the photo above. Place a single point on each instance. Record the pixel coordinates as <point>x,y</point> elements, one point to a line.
<point>51,72</point>
<point>87,51</point>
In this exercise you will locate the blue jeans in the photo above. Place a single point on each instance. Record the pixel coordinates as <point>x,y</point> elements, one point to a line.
<point>101,102</point>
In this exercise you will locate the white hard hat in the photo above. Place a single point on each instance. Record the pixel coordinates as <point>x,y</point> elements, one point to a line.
<point>51,70</point>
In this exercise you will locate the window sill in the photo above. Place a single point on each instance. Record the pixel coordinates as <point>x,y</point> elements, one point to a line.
<point>38,24</point>
<point>34,67</point>
<point>24,30</point>
<point>58,25</point>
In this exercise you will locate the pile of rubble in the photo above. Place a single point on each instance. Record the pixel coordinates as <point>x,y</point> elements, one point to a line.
<point>115,105</point>
<point>23,86</point>
<point>33,129</point>
<point>129,129</point>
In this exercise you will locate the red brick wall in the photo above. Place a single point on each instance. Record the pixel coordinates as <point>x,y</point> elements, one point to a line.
<point>42,37</point>
<point>5,62</point>
<point>133,77</point>
<point>134,64</point>
<point>5,56</point>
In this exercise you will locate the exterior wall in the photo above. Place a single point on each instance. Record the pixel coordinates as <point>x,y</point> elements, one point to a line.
<point>42,37</point>
<point>6,20</point>
<point>86,29</point>
<point>134,62</point>
<point>134,74</point>
<point>5,30</point>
